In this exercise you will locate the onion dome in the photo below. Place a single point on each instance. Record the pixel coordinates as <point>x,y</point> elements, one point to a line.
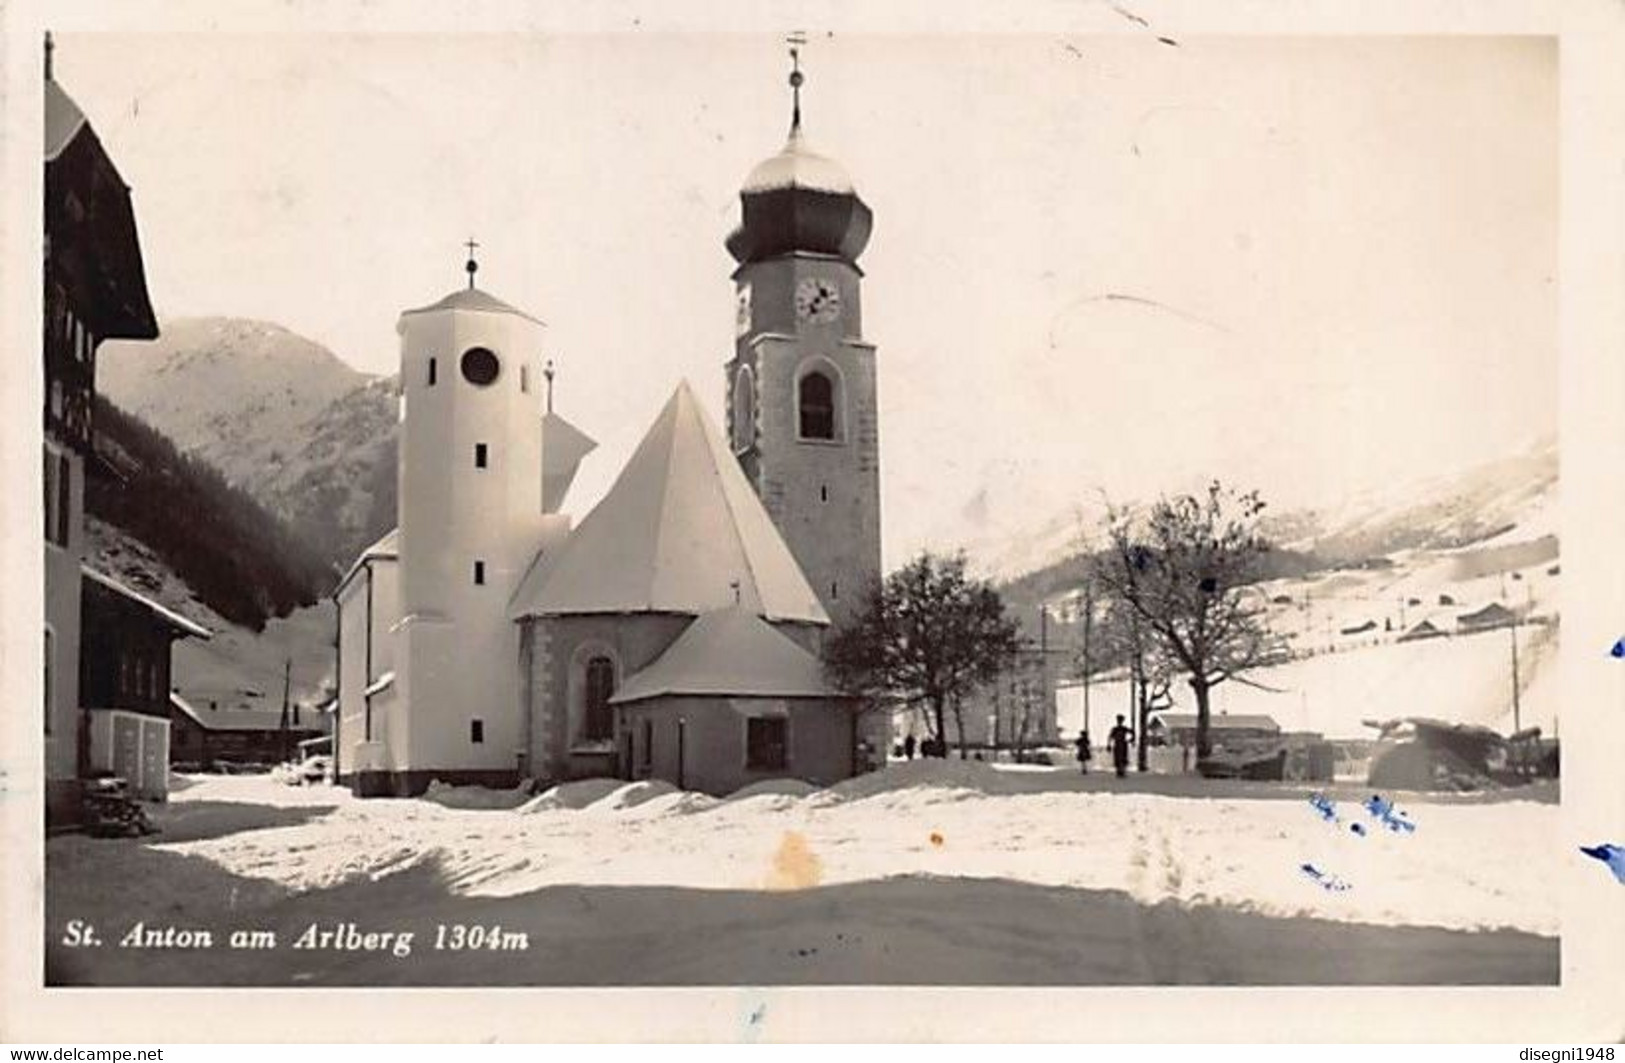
<point>799,200</point>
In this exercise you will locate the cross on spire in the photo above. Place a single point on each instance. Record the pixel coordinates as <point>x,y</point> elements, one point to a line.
<point>734,586</point>
<point>795,40</point>
<point>547,372</point>
<point>50,46</point>
<point>471,266</point>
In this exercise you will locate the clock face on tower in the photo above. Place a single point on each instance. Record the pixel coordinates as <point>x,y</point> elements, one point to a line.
<point>817,300</point>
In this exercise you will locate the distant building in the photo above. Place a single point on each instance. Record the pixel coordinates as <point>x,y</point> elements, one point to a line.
<point>95,289</point>
<point>1179,728</point>
<point>1493,615</point>
<point>204,737</point>
<point>1015,710</point>
<point>1426,629</point>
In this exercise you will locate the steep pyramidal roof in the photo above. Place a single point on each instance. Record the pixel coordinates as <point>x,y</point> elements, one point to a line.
<point>733,652</point>
<point>63,120</point>
<point>563,447</point>
<point>681,531</point>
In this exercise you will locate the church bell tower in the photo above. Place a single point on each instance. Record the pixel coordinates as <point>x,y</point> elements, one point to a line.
<point>472,511</point>
<point>801,400</point>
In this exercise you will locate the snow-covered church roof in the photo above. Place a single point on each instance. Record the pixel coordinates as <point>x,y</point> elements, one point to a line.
<point>730,652</point>
<point>681,531</point>
<point>472,299</point>
<point>798,166</point>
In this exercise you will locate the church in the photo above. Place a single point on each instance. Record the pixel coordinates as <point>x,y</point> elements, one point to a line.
<point>675,632</point>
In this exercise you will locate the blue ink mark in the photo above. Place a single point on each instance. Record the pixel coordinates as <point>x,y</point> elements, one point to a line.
<point>1619,649</point>
<point>1327,882</point>
<point>1325,808</point>
<point>1612,855</point>
<point>1390,817</point>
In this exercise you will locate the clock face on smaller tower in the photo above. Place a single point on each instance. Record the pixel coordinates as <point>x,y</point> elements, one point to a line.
<point>817,300</point>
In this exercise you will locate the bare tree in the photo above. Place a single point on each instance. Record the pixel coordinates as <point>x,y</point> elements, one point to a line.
<point>929,635</point>
<point>1126,637</point>
<point>1185,570</point>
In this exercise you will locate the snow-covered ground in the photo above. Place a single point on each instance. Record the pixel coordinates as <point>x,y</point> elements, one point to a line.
<point>965,871</point>
<point>1345,676</point>
<point>1463,679</point>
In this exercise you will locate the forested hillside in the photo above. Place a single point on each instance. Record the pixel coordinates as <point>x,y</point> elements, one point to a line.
<point>241,561</point>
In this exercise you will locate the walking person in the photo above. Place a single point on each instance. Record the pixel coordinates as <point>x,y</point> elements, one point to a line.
<point>1084,751</point>
<point>1119,739</point>
<point>908,746</point>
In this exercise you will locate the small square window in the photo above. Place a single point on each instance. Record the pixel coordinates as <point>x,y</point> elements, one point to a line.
<point>524,378</point>
<point>476,731</point>
<point>479,573</point>
<point>481,455</point>
<point>765,740</point>
<point>431,372</point>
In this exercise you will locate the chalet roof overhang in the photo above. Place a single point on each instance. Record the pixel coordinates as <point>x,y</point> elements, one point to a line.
<point>100,582</point>
<point>92,247</point>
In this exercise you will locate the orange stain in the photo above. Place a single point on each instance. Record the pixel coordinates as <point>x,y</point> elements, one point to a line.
<point>936,839</point>
<point>795,866</point>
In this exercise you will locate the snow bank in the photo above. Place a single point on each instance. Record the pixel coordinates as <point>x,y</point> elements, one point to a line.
<point>974,776</point>
<point>774,788</point>
<point>572,796</point>
<point>474,797</point>
<point>631,795</point>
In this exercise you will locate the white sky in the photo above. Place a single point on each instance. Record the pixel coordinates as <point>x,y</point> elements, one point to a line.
<point>1355,238</point>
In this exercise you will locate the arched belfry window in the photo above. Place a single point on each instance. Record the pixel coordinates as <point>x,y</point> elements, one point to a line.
<point>598,720</point>
<point>816,401</point>
<point>744,409</point>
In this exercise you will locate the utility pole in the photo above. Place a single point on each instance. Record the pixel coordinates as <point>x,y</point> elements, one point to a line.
<point>1088,661</point>
<point>1046,688</point>
<point>282,729</point>
<point>1517,724</point>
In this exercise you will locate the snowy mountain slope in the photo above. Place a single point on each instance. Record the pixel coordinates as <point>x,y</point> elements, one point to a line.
<point>278,415</point>
<point>1511,499</point>
<point>231,391</point>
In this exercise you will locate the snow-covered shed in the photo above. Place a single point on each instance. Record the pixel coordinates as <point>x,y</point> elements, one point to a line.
<point>734,702</point>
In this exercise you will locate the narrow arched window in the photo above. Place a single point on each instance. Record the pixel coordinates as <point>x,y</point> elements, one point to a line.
<point>598,722</point>
<point>744,410</point>
<point>817,407</point>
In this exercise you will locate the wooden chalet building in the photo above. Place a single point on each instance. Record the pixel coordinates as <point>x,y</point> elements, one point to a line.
<point>94,289</point>
<point>124,683</point>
